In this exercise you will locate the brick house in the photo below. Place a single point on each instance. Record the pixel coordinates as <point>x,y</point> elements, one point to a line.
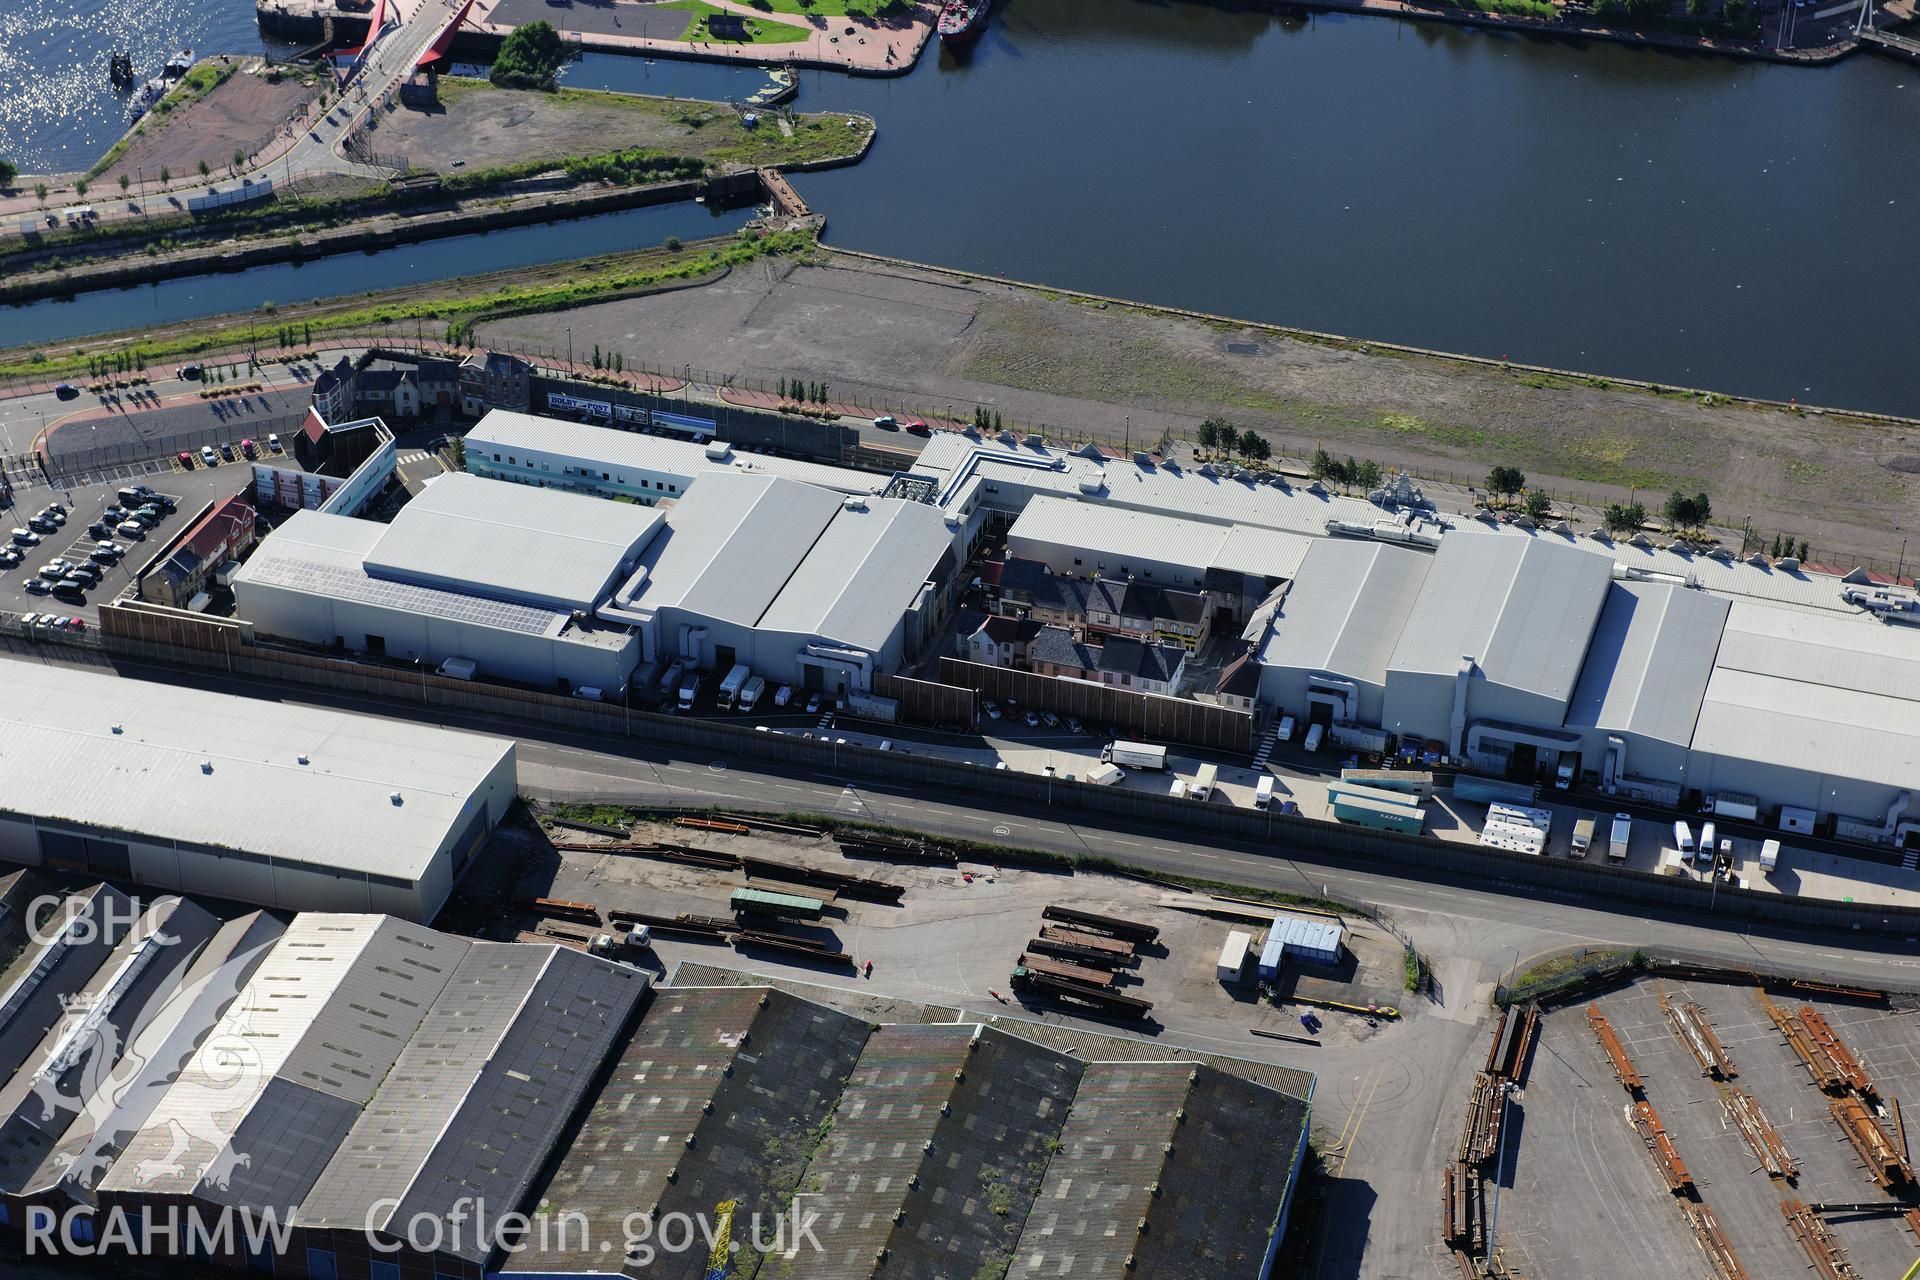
<point>1143,611</point>
<point>221,535</point>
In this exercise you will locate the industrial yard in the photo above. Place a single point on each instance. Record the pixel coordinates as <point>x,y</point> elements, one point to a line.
<point>1672,1128</point>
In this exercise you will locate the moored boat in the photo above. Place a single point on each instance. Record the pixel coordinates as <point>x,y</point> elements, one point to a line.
<point>962,20</point>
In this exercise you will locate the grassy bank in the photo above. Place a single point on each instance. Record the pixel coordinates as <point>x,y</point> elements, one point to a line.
<point>519,293</point>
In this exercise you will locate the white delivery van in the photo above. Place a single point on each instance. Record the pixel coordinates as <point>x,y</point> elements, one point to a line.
<point>1263,793</point>
<point>1683,840</point>
<point>1106,775</point>
<point>1315,736</point>
<point>1769,856</point>
<point>1286,728</point>
<point>1707,842</point>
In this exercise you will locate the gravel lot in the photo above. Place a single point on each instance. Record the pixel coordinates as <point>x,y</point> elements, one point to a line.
<point>903,336</point>
<point>244,113</point>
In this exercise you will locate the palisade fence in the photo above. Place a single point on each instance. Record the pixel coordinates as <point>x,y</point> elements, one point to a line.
<point>176,638</point>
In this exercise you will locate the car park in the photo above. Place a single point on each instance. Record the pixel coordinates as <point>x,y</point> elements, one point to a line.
<point>208,456</point>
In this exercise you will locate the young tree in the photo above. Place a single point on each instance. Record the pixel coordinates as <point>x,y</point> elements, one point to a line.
<point>239,158</point>
<point>1539,505</point>
<point>1323,466</point>
<point>617,362</point>
<point>1624,517</point>
<point>1684,512</point>
<point>80,189</point>
<point>1506,481</point>
<point>823,393</point>
<point>783,387</point>
<point>40,192</point>
<point>1803,548</point>
<point>1207,434</point>
<point>996,422</point>
<point>596,355</point>
<point>1368,476</point>
<point>125,182</point>
<point>205,169</point>
<point>166,175</point>
<point>1252,445</point>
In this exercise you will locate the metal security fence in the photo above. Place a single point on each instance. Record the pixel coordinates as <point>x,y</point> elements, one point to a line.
<point>169,636</point>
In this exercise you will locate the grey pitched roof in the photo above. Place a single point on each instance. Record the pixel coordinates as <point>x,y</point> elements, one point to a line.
<point>1648,664</point>
<point>1123,655</point>
<point>1345,612</point>
<point>1057,646</point>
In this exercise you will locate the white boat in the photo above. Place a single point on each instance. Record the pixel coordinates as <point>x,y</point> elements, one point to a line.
<point>178,65</point>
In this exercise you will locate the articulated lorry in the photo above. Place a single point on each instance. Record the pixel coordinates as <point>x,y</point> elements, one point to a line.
<point>736,680</point>
<point>1135,755</point>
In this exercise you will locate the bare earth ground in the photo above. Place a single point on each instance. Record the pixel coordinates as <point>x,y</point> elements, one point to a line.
<point>482,126</point>
<point>908,337</point>
<point>244,113</point>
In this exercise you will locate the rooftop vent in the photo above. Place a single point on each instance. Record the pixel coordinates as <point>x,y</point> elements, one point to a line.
<point>119,729</point>
<point>396,798</point>
<point>854,502</point>
<point>302,758</point>
<point>717,450</point>
<point>206,766</point>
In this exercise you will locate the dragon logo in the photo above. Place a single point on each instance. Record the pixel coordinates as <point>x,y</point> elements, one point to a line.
<point>158,1078</point>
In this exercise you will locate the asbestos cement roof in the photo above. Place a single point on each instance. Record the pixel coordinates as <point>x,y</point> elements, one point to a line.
<point>274,1088</point>
<point>862,573</point>
<point>133,755</point>
<point>730,547</point>
<point>478,1097</point>
<point>512,542</point>
<point>1345,613</point>
<point>1648,664</point>
<point>1523,609</point>
<point>1828,695</point>
<point>610,449</point>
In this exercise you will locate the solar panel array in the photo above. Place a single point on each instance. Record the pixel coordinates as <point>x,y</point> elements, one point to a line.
<point>343,583</point>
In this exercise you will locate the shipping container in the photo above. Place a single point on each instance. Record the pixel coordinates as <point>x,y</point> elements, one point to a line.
<point>1412,781</point>
<point>1797,820</point>
<point>1741,808</point>
<point>1307,939</point>
<point>789,906</point>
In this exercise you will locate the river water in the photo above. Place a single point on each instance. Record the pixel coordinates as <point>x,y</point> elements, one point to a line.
<point>1690,220</point>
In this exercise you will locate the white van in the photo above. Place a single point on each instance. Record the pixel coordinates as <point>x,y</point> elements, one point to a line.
<point>1707,842</point>
<point>1769,855</point>
<point>1286,728</point>
<point>1263,793</point>
<point>1315,736</point>
<point>1683,840</point>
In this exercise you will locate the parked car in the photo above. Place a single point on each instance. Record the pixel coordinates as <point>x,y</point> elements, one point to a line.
<point>226,451</point>
<point>246,447</point>
<point>208,456</point>
<point>103,557</point>
<point>29,619</point>
<point>69,591</point>
<point>273,442</point>
<point>37,586</point>
<point>58,508</point>
<point>41,524</point>
<point>1075,725</point>
<point>813,705</point>
<point>56,514</point>
<point>76,624</point>
<point>1051,720</point>
<point>67,391</point>
<point>132,529</point>
<point>100,529</point>
<point>189,372</point>
<point>186,460</point>
<point>87,573</point>
<point>25,538</point>
<point>9,556</point>
<point>1031,718</point>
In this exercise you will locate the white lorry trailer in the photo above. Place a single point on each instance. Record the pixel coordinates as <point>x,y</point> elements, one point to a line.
<point>1135,755</point>
<point>729,691</point>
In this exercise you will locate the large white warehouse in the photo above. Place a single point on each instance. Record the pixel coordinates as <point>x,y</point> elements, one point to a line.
<point>296,808</point>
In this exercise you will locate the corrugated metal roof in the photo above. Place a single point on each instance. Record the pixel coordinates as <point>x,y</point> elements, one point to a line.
<point>1125,537</point>
<point>512,542</point>
<point>1831,696</point>
<point>862,573</point>
<point>1522,609</point>
<point>730,547</point>
<point>609,449</point>
<point>63,759</point>
<point>1346,611</point>
<point>1648,664</point>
